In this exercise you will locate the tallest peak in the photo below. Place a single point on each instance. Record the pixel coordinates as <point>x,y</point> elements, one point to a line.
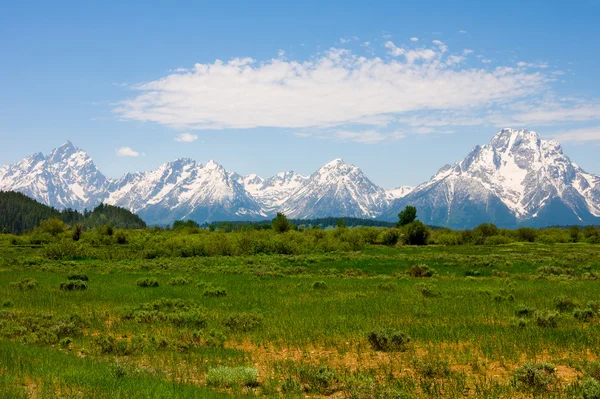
<point>508,138</point>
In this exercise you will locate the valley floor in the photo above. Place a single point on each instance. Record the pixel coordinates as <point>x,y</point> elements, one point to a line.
<point>503,321</point>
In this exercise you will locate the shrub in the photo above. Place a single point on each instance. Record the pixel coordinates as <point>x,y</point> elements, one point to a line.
<point>25,284</point>
<point>420,271</point>
<point>243,322</point>
<point>564,303</point>
<point>546,318</point>
<point>427,290</point>
<point>388,340</point>
<point>389,237</point>
<point>147,282</point>
<point>590,389</point>
<point>81,277</point>
<point>416,233</point>
<point>387,286</point>
<point>434,368</point>
<point>214,292</point>
<point>319,285</point>
<point>321,379</point>
<point>227,377</point>
<point>73,285</point>
<point>175,311</point>
<point>473,273</point>
<point>583,314</point>
<point>179,281</point>
<point>526,234</point>
<point>497,240</point>
<point>536,377</point>
<point>523,310</point>
<point>120,238</point>
<point>281,224</point>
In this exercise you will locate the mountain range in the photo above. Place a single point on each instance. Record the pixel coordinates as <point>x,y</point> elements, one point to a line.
<point>516,179</point>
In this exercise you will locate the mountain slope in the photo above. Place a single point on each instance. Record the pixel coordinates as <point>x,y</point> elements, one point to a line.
<point>517,178</point>
<point>336,189</point>
<point>67,178</point>
<point>184,189</point>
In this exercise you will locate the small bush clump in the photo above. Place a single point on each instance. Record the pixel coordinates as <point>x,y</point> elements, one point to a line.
<point>319,285</point>
<point>537,377</point>
<point>243,322</point>
<point>584,315</point>
<point>524,311</point>
<point>564,303</point>
<point>227,377</point>
<point>73,285</point>
<point>590,389</point>
<point>147,282</point>
<point>214,292</point>
<point>434,368</point>
<point>546,318</point>
<point>420,271</point>
<point>427,290</point>
<point>179,281</point>
<point>25,284</point>
<point>321,379</point>
<point>178,312</point>
<point>82,277</point>
<point>387,286</point>
<point>388,340</point>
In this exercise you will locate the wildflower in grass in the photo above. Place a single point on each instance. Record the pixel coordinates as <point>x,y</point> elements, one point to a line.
<point>227,377</point>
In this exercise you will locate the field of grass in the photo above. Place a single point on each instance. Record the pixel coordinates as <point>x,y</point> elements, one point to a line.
<point>504,321</point>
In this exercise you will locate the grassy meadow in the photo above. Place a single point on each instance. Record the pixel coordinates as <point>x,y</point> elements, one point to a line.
<point>198,314</point>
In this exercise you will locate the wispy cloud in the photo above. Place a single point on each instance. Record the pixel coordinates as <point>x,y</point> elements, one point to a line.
<point>414,39</point>
<point>413,85</point>
<point>370,136</point>
<point>127,152</point>
<point>581,135</point>
<point>186,137</point>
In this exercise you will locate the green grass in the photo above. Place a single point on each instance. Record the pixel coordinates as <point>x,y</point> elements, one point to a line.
<point>302,340</point>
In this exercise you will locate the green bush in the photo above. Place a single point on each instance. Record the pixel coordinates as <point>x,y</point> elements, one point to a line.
<point>387,286</point>
<point>537,377</point>
<point>178,281</point>
<point>319,379</point>
<point>147,282</point>
<point>25,284</point>
<point>427,290</point>
<point>523,310</point>
<point>214,292</point>
<point>73,285</point>
<point>227,377</point>
<point>388,340</point>
<point>243,322</point>
<point>319,285</point>
<point>546,318</point>
<point>497,240</point>
<point>389,237</point>
<point>434,368</point>
<point>584,315</point>
<point>81,277</point>
<point>590,389</point>
<point>416,233</point>
<point>564,303</point>
<point>420,271</point>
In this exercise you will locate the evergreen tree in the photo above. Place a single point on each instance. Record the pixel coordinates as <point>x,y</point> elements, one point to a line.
<point>408,215</point>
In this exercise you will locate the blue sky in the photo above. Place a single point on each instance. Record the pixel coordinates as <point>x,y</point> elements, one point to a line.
<point>397,88</point>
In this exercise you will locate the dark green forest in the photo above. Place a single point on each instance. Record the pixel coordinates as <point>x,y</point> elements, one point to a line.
<point>20,214</point>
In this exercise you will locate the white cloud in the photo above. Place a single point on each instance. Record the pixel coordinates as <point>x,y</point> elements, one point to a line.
<point>414,39</point>
<point>335,88</point>
<point>581,135</point>
<point>486,61</point>
<point>462,31</point>
<point>467,51</point>
<point>542,65</point>
<point>280,53</point>
<point>127,152</point>
<point>186,137</point>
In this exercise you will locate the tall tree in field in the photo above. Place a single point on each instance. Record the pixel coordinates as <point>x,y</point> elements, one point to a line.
<point>281,224</point>
<point>408,215</point>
